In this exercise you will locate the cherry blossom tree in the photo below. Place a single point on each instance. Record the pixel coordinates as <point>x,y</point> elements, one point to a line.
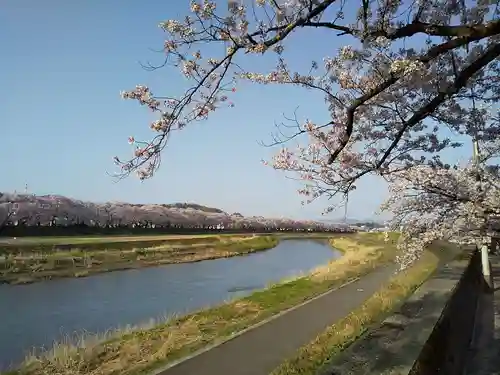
<point>408,76</point>
<point>430,204</point>
<point>11,211</point>
<point>406,62</point>
<point>7,215</point>
<point>461,203</point>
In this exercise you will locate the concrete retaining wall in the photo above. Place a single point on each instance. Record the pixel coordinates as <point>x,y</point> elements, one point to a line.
<point>431,332</point>
<point>446,349</point>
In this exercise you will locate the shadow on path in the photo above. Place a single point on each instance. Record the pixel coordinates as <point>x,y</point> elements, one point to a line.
<point>393,346</point>
<point>424,335</point>
<point>484,356</point>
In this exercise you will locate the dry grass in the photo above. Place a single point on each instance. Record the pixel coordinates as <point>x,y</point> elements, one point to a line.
<point>136,351</point>
<point>362,253</point>
<point>166,246</point>
<point>54,240</point>
<point>132,350</point>
<point>29,266</point>
<point>310,358</point>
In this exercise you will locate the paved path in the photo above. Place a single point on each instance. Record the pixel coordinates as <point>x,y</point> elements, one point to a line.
<point>486,355</point>
<point>261,350</point>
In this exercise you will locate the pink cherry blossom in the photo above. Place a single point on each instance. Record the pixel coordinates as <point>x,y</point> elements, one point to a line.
<point>428,204</point>
<point>405,77</point>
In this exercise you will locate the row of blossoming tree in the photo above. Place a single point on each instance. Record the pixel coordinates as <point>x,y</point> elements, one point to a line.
<point>411,78</point>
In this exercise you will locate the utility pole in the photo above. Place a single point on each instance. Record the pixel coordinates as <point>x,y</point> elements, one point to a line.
<point>484,247</point>
<point>346,203</point>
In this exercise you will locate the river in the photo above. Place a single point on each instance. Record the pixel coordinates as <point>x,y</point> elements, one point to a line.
<point>36,315</point>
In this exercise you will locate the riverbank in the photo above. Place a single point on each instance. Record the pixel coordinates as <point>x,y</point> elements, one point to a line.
<point>27,263</point>
<point>311,358</point>
<point>138,350</point>
<point>48,244</point>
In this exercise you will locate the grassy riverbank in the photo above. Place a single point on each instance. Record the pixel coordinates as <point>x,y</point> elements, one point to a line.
<point>135,351</point>
<point>28,263</point>
<point>48,244</point>
<point>313,356</point>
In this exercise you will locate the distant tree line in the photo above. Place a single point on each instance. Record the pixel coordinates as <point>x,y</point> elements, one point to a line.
<point>369,224</point>
<point>15,222</point>
<point>149,228</point>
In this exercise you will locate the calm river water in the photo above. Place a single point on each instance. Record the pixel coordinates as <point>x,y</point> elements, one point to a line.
<point>36,315</point>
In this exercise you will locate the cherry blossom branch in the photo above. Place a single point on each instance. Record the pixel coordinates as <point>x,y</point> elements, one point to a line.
<point>387,99</point>
<point>492,53</point>
<point>460,31</point>
<point>429,108</point>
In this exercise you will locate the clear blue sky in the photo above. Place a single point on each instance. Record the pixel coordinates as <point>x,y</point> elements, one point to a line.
<point>62,119</point>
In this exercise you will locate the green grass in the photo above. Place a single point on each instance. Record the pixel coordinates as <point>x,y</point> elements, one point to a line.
<point>51,244</point>
<point>140,350</point>
<point>312,357</point>
<point>54,240</point>
<point>30,264</point>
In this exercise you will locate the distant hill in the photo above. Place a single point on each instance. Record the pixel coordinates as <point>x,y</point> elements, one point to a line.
<point>358,222</point>
<point>365,222</point>
<point>368,224</point>
<point>43,209</point>
<point>195,206</point>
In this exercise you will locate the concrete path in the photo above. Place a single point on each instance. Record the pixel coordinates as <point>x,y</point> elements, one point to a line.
<point>485,356</point>
<point>261,350</point>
